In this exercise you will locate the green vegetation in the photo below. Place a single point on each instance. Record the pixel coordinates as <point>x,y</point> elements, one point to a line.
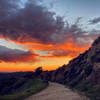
<point>19,89</point>
<point>88,88</point>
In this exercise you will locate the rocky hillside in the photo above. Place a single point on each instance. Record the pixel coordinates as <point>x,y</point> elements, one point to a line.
<point>82,73</point>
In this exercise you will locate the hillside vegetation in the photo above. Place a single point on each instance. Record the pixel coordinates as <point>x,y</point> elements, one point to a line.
<point>20,87</point>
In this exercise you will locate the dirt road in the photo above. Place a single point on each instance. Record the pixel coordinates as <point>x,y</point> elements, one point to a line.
<point>56,92</point>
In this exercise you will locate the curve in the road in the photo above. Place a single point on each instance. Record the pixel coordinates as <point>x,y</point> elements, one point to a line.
<point>56,92</point>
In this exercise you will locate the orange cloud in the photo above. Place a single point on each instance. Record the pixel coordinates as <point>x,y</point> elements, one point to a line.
<point>38,29</point>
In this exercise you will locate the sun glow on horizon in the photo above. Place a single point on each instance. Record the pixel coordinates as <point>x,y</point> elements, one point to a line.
<point>45,33</point>
<point>48,57</point>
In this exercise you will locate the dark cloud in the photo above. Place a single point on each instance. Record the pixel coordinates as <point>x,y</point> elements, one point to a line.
<point>94,31</point>
<point>34,22</point>
<point>14,55</point>
<point>94,21</point>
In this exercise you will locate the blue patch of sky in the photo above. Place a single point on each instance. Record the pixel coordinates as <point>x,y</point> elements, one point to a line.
<point>72,9</point>
<point>12,45</point>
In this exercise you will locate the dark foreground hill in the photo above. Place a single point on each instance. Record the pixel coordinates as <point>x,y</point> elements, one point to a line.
<point>19,85</point>
<point>82,73</point>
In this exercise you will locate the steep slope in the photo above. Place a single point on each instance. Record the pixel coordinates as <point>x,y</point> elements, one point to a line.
<point>82,73</point>
<point>86,66</point>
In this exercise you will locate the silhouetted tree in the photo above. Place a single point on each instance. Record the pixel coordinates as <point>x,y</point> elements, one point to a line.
<point>38,71</point>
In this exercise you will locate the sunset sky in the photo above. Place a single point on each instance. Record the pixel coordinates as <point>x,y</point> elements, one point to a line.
<point>47,33</point>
